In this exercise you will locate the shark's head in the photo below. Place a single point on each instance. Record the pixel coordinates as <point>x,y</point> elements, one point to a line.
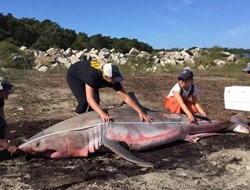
<point>60,144</point>
<point>38,146</point>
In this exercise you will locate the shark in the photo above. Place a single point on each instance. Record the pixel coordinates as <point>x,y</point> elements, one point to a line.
<point>84,134</point>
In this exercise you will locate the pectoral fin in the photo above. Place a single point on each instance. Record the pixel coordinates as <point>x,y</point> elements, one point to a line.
<point>121,151</point>
<point>196,137</point>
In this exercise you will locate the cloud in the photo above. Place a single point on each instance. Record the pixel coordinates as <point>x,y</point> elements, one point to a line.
<point>175,5</point>
<point>172,5</point>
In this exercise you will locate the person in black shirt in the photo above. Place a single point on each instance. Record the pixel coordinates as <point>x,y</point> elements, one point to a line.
<point>85,78</point>
<point>5,89</point>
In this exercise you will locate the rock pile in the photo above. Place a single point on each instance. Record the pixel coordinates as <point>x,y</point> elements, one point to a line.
<point>45,60</point>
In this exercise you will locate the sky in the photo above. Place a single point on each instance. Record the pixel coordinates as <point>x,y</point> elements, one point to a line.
<point>160,23</point>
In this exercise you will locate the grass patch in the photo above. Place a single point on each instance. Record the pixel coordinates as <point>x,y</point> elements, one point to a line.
<point>229,70</point>
<point>17,74</point>
<point>58,70</point>
<point>135,65</point>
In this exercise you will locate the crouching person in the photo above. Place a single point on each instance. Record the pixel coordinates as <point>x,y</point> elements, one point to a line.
<point>182,98</point>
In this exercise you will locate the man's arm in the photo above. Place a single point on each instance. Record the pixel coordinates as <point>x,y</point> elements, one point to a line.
<point>94,105</point>
<point>183,106</point>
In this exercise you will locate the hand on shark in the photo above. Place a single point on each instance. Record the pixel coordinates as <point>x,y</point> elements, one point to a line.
<point>6,145</point>
<point>145,117</point>
<point>192,117</point>
<point>106,118</point>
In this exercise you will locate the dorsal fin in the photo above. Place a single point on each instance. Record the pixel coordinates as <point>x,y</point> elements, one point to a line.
<point>132,95</point>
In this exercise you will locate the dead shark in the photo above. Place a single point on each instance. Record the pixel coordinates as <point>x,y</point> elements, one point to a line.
<point>86,133</point>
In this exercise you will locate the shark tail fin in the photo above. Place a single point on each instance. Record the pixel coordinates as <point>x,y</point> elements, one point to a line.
<point>118,149</point>
<point>240,123</point>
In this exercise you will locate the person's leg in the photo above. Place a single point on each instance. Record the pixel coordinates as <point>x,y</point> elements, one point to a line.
<point>3,132</point>
<point>78,90</point>
<point>172,105</point>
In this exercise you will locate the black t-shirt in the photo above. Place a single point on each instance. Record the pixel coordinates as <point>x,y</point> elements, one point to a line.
<point>88,74</point>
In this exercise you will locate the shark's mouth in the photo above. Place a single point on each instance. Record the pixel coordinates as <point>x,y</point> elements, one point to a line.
<point>47,153</point>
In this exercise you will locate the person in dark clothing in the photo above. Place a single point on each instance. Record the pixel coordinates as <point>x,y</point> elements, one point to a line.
<point>5,89</point>
<point>85,78</point>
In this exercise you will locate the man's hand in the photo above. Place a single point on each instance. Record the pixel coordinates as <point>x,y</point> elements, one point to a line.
<point>11,148</point>
<point>190,118</point>
<point>145,117</point>
<point>105,117</point>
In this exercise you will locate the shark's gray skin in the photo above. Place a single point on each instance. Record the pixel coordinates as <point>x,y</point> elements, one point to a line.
<point>86,133</point>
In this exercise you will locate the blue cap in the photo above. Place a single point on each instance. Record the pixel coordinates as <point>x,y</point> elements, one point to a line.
<point>186,74</point>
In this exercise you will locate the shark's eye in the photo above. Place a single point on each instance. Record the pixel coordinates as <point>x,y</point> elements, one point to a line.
<point>37,144</point>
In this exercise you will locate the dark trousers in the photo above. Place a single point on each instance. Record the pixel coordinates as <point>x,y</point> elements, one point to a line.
<point>2,127</point>
<point>78,89</point>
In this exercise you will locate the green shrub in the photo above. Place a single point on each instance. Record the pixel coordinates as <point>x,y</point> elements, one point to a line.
<point>135,65</point>
<point>209,55</point>
<point>7,48</point>
<point>12,57</point>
